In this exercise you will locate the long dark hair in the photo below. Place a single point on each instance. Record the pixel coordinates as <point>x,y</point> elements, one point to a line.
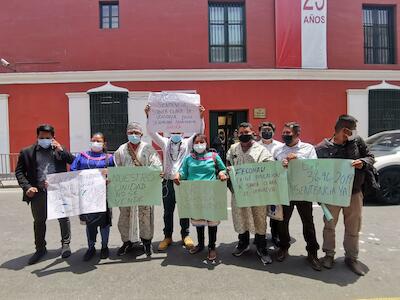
<point>203,137</point>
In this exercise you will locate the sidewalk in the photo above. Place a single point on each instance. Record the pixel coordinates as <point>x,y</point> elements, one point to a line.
<point>8,184</point>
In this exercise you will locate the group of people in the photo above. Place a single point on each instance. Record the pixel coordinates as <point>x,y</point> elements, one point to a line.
<point>191,159</point>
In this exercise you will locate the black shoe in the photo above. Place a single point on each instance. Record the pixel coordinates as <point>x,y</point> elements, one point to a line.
<point>264,256</point>
<point>282,254</point>
<point>148,249</point>
<point>104,253</point>
<point>355,266</point>
<point>314,262</point>
<point>240,249</point>
<point>89,254</point>
<point>125,248</point>
<point>37,256</point>
<point>65,251</point>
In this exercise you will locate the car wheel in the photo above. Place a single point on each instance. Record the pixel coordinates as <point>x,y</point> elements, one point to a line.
<point>389,180</point>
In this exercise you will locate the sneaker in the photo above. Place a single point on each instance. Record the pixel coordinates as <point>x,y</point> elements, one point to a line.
<point>104,253</point>
<point>240,249</point>
<point>125,248</point>
<point>65,251</point>
<point>355,266</point>
<point>327,261</point>
<point>148,249</point>
<point>282,254</point>
<point>188,242</point>
<point>164,244</point>
<point>264,256</point>
<point>196,249</point>
<point>314,262</point>
<point>37,256</point>
<point>89,254</point>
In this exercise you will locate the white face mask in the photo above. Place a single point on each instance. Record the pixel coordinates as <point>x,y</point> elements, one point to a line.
<point>352,136</point>
<point>96,146</point>
<point>200,148</point>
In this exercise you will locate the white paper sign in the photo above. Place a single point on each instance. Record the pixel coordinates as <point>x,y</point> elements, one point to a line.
<point>174,112</point>
<point>75,193</point>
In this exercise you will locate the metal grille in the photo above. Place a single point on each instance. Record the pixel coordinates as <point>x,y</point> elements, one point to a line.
<point>227,32</point>
<point>109,115</point>
<point>109,15</point>
<point>384,110</point>
<point>378,35</point>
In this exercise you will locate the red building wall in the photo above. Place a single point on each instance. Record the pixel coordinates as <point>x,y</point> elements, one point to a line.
<point>64,35</point>
<point>314,104</point>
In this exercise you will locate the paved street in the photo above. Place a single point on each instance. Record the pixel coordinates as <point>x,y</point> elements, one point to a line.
<point>177,274</point>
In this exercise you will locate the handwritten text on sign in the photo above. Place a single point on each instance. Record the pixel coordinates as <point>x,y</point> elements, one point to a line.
<point>328,181</point>
<point>75,193</point>
<point>131,186</point>
<point>260,184</point>
<point>202,199</point>
<point>174,112</point>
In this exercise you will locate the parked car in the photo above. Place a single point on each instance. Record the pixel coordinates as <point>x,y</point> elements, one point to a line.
<point>386,148</point>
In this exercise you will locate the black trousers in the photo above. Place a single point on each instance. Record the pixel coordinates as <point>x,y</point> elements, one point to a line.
<point>169,207</point>
<point>39,213</point>
<point>212,236</point>
<point>305,211</point>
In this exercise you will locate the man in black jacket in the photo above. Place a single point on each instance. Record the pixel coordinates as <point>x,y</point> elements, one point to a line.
<point>44,157</point>
<point>347,145</point>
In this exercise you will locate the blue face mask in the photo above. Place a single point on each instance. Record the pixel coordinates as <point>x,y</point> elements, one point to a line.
<point>176,138</point>
<point>44,143</point>
<point>134,138</point>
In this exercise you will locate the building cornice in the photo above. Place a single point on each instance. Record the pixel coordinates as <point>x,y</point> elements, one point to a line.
<point>198,75</point>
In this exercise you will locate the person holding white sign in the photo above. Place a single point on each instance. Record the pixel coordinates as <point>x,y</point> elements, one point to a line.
<point>136,153</point>
<point>96,158</point>
<point>175,149</point>
<point>46,156</point>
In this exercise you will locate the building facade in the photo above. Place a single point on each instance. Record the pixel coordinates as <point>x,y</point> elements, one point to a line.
<point>59,55</point>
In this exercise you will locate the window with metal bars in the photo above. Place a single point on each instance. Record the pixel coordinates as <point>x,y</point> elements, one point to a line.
<point>109,15</point>
<point>227,32</point>
<point>109,115</point>
<point>383,110</point>
<point>378,34</point>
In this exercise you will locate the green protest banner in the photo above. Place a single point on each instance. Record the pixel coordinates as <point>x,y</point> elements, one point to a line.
<point>328,181</point>
<point>260,184</point>
<point>202,199</point>
<point>130,186</point>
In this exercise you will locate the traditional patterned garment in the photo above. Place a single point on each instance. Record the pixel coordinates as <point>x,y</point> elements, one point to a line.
<point>253,219</point>
<point>202,167</point>
<point>145,155</point>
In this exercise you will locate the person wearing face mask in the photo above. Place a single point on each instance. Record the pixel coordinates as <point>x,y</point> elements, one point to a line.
<point>294,148</point>
<point>267,132</point>
<point>136,153</point>
<point>175,149</point>
<point>95,158</point>
<point>44,157</point>
<point>249,219</point>
<point>346,144</point>
<point>202,164</point>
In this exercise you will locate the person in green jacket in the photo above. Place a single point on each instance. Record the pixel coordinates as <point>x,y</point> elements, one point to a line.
<point>201,164</point>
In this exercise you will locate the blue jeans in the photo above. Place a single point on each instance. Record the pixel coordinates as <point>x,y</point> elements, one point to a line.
<point>91,234</point>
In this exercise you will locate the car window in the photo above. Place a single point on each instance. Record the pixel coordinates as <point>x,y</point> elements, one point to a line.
<point>389,141</point>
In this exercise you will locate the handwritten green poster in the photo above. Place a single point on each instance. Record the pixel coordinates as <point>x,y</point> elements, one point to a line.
<point>328,181</point>
<point>202,199</point>
<point>260,184</point>
<point>130,186</point>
